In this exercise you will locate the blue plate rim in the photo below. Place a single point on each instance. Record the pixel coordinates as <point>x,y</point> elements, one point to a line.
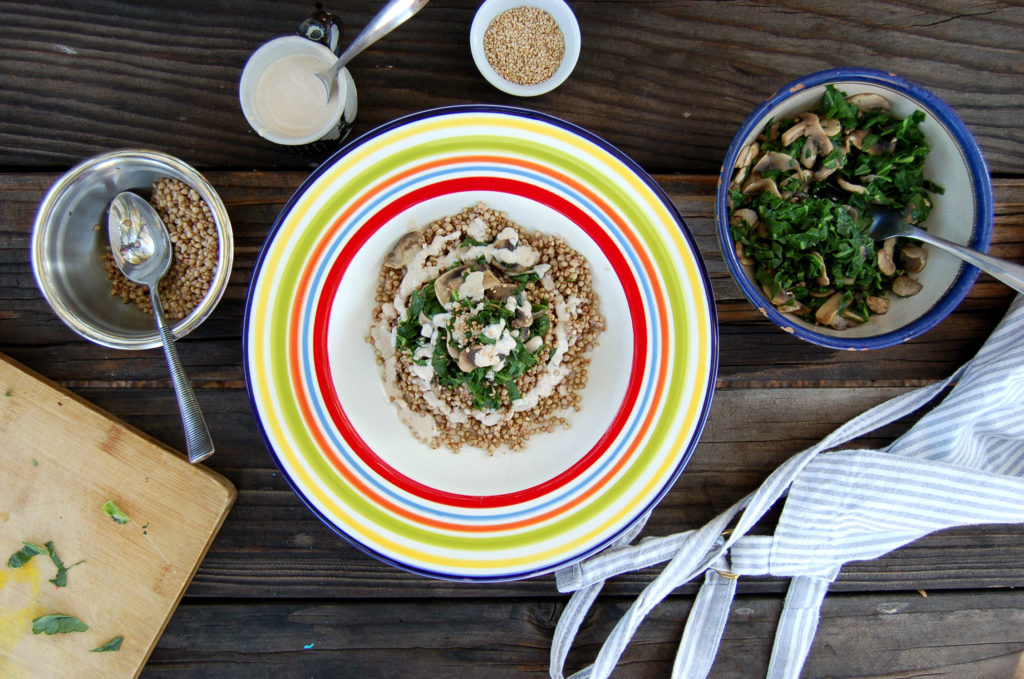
<point>531,114</point>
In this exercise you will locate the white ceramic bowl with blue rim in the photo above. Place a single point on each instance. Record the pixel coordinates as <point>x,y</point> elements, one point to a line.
<point>963,214</point>
<point>317,393</point>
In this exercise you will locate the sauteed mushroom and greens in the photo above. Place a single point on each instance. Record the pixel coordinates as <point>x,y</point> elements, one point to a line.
<point>483,330</point>
<point>800,203</point>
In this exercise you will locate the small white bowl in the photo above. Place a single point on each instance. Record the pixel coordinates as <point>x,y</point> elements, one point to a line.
<point>562,15</point>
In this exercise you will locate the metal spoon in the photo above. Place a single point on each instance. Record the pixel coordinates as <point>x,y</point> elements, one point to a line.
<point>142,251</point>
<point>388,19</point>
<point>887,224</point>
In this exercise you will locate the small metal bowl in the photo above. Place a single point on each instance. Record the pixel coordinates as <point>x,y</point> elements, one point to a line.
<point>69,240</point>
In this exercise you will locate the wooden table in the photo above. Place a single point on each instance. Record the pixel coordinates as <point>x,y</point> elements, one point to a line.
<point>279,595</point>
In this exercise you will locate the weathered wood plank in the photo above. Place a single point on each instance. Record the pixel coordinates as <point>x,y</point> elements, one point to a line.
<point>969,635</point>
<point>669,83</point>
<point>272,541</point>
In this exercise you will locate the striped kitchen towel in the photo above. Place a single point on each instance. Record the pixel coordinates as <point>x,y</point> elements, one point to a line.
<point>960,464</point>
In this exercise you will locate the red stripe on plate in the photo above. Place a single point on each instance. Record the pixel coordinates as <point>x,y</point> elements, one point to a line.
<point>332,282</point>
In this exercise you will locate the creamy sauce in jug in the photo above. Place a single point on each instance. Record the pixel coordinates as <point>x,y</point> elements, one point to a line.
<point>291,101</point>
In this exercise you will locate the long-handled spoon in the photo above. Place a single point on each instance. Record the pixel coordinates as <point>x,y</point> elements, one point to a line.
<point>142,251</point>
<point>388,19</point>
<point>887,224</point>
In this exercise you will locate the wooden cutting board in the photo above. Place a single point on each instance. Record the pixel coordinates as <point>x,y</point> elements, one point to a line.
<point>61,460</point>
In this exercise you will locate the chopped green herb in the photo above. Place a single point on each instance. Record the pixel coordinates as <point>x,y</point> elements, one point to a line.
<point>115,513</point>
<point>61,579</point>
<point>58,623</point>
<point>35,462</point>
<point>112,645</point>
<point>802,225</point>
<point>9,392</point>
<point>25,554</point>
<point>469,326</point>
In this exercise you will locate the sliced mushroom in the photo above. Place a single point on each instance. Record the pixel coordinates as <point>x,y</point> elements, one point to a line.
<point>880,147</point>
<point>878,305</point>
<point>885,263</point>
<point>780,298</point>
<point>480,356</point>
<point>404,249</point>
<point>510,256</point>
<point>466,363</point>
<point>495,287</point>
<point>533,344</point>
<point>809,125</point>
<point>852,188</point>
<point>827,312</point>
<point>914,258</point>
<point>746,215</point>
<point>809,155</point>
<point>841,322</point>
<point>776,161</point>
<point>915,208</point>
<point>744,159</point>
<point>869,101</point>
<point>905,286</point>
<point>855,139</point>
<point>822,278</point>
<point>741,254</point>
<point>852,315</point>
<point>824,172</point>
<point>794,132</point>
<point>760,185</point>
<point>447,283</point>
<point>831,126</point>
<point>523,317</point>
<point>793,306</point>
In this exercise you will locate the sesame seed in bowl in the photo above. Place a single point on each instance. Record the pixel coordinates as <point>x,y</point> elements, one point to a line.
<point>525,48</point>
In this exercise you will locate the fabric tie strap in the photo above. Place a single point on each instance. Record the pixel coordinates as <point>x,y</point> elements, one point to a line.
<point>961,464</point>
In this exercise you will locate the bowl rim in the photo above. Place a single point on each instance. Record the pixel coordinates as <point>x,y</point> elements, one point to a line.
<point>567,22</point>
<point>225,255</point>
<point>713,358</point>
<point>978,172</point>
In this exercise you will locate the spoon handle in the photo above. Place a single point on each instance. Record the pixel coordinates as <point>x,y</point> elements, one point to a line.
<point>390,17</point>
<point>197,435</point>
<point>1008,272</point>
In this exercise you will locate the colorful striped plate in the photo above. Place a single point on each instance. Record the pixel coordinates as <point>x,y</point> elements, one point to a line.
<point>314,382</point>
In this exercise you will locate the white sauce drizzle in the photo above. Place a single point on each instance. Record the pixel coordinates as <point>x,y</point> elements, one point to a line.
<point>384,332</point>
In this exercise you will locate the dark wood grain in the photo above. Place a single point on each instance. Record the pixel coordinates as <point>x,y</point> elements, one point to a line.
<point>668,82</point>
<point>270,538</point>
<point>950,635</point>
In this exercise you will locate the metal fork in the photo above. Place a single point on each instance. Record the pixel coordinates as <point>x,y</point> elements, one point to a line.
<point>888,224</point>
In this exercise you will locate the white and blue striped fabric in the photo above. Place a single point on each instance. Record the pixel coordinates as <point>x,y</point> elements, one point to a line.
<point>960,464</point>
